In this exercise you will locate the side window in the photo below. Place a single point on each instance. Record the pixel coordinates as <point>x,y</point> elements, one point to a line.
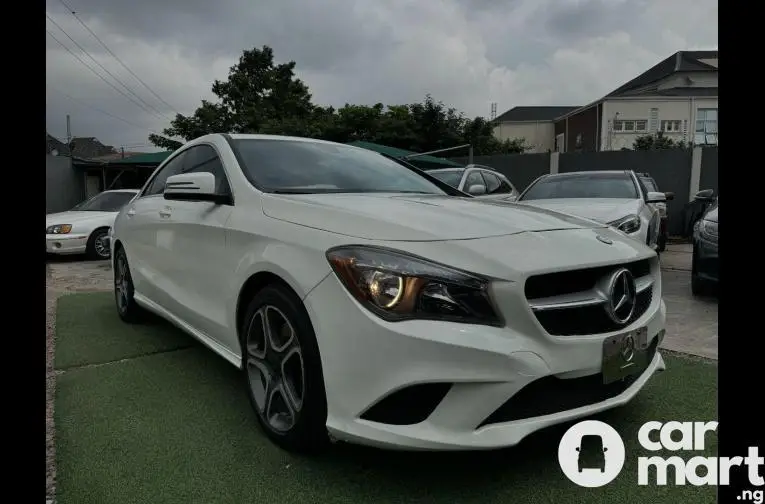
<point>172,167</point>
<point>492,183</point>
<point>203,158</point>
<point>474,178</point>
<point>505,186</point>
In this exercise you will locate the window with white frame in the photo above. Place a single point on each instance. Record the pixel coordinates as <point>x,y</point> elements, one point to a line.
<point>706,127</point>
<point>672,126</point>
<point>631,126</point>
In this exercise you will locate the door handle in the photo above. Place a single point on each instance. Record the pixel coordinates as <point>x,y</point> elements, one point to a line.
<point>164,213</point>
<point>130,212</point>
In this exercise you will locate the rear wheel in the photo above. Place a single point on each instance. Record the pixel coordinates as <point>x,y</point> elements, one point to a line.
<point>282,370</point>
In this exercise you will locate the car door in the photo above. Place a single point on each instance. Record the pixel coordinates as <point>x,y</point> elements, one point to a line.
<point>197,254</point>
<point>138,232</point>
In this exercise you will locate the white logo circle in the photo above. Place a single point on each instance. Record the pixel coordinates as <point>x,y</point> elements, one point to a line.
<point>591,454</point>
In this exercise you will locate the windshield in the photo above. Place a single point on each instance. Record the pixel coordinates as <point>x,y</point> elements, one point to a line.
<point>291,166</point>
<point>649,184</point>
<point>105,202</point>
<point>590,185</point>
<point>451,177</point>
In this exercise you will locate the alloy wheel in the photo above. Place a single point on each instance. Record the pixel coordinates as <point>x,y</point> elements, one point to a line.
<point>101,246</point>
<point>275,368</point>
<point>121,282</point>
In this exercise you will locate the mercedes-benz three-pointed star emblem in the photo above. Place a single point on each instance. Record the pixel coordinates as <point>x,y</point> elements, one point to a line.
<point>622,296</point>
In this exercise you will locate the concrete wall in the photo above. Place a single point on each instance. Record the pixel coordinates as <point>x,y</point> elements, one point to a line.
<point>538,134</point>
<point>709,170</point>
<point>521,169</point>
<point>64,186</point>
<point>670,109</point>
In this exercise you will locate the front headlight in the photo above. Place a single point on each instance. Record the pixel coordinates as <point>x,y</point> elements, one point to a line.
<point>59,229</point>
<point>396,286</point>
<point>708,229</point>
<point>629,224</point>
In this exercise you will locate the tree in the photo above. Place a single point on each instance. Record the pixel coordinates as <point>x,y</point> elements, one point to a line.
<point>656,141</point>
<point>259,96</point>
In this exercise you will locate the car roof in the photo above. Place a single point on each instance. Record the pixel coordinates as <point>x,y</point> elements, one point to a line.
<point>591,172</point>
<point>446,170</point>
<point>134,191</point>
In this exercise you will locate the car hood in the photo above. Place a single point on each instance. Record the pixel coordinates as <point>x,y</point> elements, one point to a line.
<point>395,217</point>
<point>74,217</point>
<point>598,209</point>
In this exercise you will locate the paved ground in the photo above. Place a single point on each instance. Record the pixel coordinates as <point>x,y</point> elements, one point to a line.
<point>691,322</point>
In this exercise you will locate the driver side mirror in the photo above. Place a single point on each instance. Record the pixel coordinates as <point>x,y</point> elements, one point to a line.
<point>476,190</point>
<point>577,448</point>
<point>656,197</point>
<point>670,196</point>
<point>605,449</point>
<point>705,195</point>
<point>194,187</point>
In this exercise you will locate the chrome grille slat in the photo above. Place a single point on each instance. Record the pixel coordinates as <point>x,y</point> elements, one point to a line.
<point>576,302</point>
<point>584,298</point>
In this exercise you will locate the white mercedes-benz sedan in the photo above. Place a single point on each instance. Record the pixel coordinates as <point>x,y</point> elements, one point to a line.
<point>365,301</point>
<point>85,228</point>
<point>617,198</point>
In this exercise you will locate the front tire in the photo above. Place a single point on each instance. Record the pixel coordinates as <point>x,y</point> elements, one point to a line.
<point>699,286</point>
<point>124,291</point>
<point>281,367</point>
<point>97,247</point>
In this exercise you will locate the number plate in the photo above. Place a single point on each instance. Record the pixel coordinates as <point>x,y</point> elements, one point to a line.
<point>624,355</point>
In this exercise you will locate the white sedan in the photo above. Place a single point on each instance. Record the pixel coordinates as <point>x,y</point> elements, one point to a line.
<point>364,301</point>
<point>616,198</point>
<point>85,228</point>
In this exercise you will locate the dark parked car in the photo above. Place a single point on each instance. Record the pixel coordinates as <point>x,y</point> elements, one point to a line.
<point>651,186</point>
<point>705,266</point>
<point>592,453</point>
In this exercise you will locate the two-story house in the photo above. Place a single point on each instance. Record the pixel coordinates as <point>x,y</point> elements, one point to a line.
<point>677,96</point>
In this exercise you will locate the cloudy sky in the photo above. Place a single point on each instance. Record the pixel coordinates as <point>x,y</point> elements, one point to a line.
<point>466,53</point>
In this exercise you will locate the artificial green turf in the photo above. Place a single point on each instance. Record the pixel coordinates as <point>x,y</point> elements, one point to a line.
<point>89,331</point>
<point>176,427</point>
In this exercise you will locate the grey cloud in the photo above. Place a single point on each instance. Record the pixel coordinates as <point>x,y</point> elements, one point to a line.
<point>464,52</point>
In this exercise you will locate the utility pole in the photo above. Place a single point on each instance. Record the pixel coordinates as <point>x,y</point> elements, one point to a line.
<point>122,151</point>
<point>68,130</point>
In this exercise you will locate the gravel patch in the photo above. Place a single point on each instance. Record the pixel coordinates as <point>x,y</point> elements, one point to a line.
<point>63,277</point>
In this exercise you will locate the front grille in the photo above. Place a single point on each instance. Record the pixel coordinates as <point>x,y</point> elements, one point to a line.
<point>589,319</point>
<point>549,395</point>
<point>566,282</point>
<point>585,319</point>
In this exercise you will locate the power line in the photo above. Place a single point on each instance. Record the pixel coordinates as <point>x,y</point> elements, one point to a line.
<point>116,79</point>
<point>96,73</point>
<point>103,111</point>
<point>72,11</point>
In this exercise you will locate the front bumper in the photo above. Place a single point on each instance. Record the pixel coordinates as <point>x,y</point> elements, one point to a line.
<point>65,243</point>
<point>366,359</point>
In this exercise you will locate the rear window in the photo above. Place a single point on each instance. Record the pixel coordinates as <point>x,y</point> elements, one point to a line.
<point>583,185</point>
<point>451,177</point>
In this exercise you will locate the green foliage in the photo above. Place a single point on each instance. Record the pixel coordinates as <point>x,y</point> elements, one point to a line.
<point>657,142</point>
<point>260,96</point>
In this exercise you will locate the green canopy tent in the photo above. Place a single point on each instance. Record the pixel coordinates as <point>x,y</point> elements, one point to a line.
<point>425,162</point>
